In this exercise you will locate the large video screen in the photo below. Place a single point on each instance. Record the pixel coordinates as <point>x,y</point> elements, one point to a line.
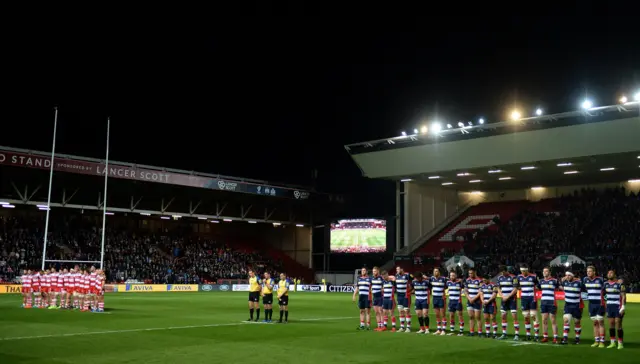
<point>358,236</point>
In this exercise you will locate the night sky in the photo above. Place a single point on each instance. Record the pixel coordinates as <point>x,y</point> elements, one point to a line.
<point>274,99</point>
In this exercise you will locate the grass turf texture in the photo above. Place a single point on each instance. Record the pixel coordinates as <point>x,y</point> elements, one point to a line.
<point>373,238</point>
<point>206,327</point>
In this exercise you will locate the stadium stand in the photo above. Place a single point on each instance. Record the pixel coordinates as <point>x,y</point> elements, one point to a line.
<point>177,256</point>
<point>602,227</point>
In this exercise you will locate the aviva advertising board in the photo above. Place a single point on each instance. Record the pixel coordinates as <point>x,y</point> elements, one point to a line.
<point>155,288</point>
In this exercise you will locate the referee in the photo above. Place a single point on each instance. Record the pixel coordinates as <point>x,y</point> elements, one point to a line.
<point>283,297</point>
<point>267,296</point>
<point>254,295</point>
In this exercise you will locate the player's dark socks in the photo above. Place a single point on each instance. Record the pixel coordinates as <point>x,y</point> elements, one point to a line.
<point>286,316</point>
<point>270,314</point>
<point>620,334</point>
<point>281,314</point>
<point>251,314</point>
<point>257,314</point>
<point>421,321</point>
<point>612,333</point>
<point>426,321</point>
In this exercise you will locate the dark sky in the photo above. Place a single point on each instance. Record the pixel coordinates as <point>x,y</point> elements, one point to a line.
<point>275,99</point>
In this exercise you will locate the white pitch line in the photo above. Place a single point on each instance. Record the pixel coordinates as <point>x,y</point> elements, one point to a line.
<point>149,329</point>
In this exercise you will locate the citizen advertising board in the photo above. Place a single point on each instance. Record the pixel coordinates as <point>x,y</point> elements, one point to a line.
<point>311,288</point>
<point>10,288</point>
<point>240,288</point>
<point>342,289</point>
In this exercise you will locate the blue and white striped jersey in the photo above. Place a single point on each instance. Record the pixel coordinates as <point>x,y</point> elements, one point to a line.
<point>595,289</point>
<point>376,286</point>
<point>488,290</point>
<point>421,289</point>
<point>507,284</point>
<point>455,289</point>
<point>402,284</point>
<point>438,285</point>
<point>388,287</point>
<point>527,284</point>
<point>613,291</point>
<point>572,292</point>
<point>473,286</point>
<point>364,286</point>
<point>548,286</point>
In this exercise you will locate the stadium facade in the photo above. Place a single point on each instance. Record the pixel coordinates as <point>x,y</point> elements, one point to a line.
<point>441,173</point>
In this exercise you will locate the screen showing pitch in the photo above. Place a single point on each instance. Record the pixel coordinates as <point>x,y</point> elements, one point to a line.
<point>358,236</point>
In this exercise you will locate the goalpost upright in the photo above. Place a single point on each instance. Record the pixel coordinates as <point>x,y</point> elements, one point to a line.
<point>104,203</point>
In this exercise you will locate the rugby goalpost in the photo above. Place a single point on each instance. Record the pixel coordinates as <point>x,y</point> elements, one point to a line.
<point>104,202</point>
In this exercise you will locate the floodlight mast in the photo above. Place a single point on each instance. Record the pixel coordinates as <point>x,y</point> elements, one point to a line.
<point>46,221</point>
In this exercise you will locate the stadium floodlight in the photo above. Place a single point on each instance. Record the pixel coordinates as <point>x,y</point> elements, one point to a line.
<point>475,181</point>
<point>43,208</point>
<point>165,217</point>
<point>463,174</point>
<point>623,100</point>
<point>515,115</point>
<point>214,221</point>
<point>404,133</point>
<point>406,180</point>
<point>415,131</point>
<point>495,170</point>
<point>145,214</point>
<point>202,218</point>
<point>299,225</point>
<point>251,222</point>
<point>637,96</point>
<point>634,181</point>
<point>447,183</point>
<point>460,124</point>
<point>434,177</point>
<point>570,172</point>
<point>108,213</point>
<point>176,216</point>
<point>504,178</point>
<point>481,121</point>
<point>537,188</point>
<point>227,220</point>
<point>436,127</point>
<point>587,104</point>
<point>424,129</point>
<point>564,164</point>
<point>539,112</point>
<point>449,126</point>
<point>525,168</point>
<point>607,169</point>
<point>6,203</point>
<point>8,206</point>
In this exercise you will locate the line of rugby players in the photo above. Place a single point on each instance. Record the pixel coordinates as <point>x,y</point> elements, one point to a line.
<point>68,289</point>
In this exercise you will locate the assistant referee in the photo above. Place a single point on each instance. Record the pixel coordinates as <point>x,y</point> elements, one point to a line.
<point>267,296</point>
<point>283,297</point>
<point>254,295</point>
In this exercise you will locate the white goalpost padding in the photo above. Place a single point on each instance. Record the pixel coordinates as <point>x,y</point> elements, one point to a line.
<point>104,203</point>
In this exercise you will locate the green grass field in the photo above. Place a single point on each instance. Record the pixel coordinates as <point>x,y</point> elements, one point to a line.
<point>207,327</point>
<point>365,238</point>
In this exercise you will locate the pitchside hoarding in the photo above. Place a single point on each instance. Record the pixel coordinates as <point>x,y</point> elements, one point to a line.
<point>132,172</point>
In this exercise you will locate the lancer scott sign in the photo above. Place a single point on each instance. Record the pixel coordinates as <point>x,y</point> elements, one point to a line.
<point>348,289</point>
<point>149,174</point>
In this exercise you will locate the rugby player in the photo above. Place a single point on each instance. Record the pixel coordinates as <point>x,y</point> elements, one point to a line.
<point>438,285</point>
<point>388,288</point>
<point>60,289</point>
<point>35,285</point>
<point>507,286</point>
<point>78,287</point>
<point>99,290</point>
<point>25,279</point>
<point>572,288</point>
<point>595,288</point>
<point>283,298</point>
<point>267,296</point>
<point>87,298</point>
<point>376,293</point>
<point>455,286</point>
<point>615,299</point>
<point>548,307</point>
<point>93,277</point>
<point>474,301</point>
<point>403,299</point>
<point>363,290</point>
<point>53,291</point>
<point>68,287</point>
<point>420,287</point>
<point>254,295</point>
<point>489,293</point>
<point>527,283</point>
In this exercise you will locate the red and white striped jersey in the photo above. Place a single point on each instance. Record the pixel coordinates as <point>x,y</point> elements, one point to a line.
<point>99,283</point>
<point>45,281</point>
<point>61,279</point>
<point>93,277</point>
<point>26,281</point>
<point>68,280</point>
<point>54,279</point>
<point>35,280</point>
<point>86,281</point>
<point>77,280</point>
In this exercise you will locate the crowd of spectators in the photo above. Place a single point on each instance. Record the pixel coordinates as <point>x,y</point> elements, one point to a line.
<point>152,258</point>
<point>600,227</point>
